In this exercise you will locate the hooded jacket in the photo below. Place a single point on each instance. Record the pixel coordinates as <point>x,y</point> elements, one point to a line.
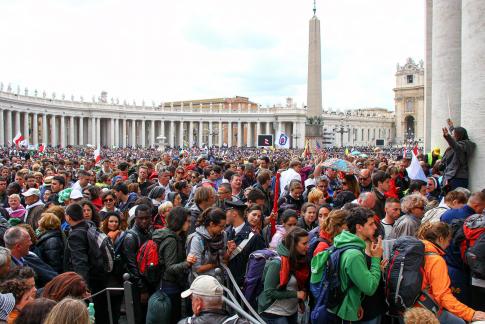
<point>271,282</point>
<point>50,248</point>
<point>197,246</point>
<point>171,256</point>
<point>456,157</point>
<point>277,237</point>
<point>437,282</point>
<point>356,278</point>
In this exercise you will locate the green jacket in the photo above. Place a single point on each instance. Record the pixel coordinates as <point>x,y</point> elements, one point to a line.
<point>171,256</point>
<point>271,282</point>
<point>353,268</point>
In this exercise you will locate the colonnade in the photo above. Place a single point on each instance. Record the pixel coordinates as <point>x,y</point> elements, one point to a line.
<point>63,130</point>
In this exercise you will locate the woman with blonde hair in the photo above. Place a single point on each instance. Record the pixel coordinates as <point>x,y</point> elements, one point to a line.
<point>413,205</point>
<point>68,311</point>
<point>331,226</point>
<point>418,315</point>
<point>50,241</point>
<point>436,238</point>
<point>316,197</point>
<point>160,220</point>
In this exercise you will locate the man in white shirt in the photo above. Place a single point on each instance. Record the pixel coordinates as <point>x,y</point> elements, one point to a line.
<point>393,211</point>
<point>293,173</point>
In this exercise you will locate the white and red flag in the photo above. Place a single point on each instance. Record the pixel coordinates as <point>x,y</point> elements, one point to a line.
<point>18,138</point>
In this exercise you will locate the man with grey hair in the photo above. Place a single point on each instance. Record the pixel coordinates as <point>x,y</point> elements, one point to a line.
<point>5,260</point>
<point>367,200</point>
<point>18,241</point>
<point>207,303</point>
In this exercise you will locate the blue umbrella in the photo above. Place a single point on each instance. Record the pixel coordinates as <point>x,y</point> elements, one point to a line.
<point>341,165</point>
<point>355,153</point>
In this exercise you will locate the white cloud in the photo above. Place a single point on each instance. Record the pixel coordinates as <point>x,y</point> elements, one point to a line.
<point>180,50</point>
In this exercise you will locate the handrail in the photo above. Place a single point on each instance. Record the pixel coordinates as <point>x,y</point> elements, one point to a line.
<point>238,309</point>
<point>241,295</point>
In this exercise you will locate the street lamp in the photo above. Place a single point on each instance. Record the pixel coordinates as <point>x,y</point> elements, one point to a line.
<point>341,129</point>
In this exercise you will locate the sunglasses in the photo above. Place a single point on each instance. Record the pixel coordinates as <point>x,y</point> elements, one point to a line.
<point>180,172</point>
<point>109,200</point>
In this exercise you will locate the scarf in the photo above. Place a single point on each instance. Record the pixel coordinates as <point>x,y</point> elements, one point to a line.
<point>113,235</point>
<point>17,213</point>
<point>301,273</point>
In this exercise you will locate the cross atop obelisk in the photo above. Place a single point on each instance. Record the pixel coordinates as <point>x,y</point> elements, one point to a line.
<point>314,83</point>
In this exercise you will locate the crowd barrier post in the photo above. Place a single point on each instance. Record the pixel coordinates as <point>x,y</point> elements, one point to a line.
<point>128,287</point>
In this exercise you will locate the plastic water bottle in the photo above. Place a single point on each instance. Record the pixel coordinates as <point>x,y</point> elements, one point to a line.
<point>91,313</point>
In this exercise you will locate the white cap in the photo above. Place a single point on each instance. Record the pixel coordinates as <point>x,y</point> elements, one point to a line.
<point>76,194</point>
<point>31,192</point>
<point>204,286</point>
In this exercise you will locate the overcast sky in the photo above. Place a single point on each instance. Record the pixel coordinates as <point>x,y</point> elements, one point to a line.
<point>193,49</point>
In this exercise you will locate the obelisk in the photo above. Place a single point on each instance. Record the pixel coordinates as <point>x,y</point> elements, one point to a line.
<point>314,84</point>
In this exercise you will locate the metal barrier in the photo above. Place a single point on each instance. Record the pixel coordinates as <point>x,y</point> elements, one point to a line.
<point>128,294</point>
<point>238,298</point>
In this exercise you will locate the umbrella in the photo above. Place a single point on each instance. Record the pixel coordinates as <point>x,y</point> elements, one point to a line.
<point>355,153</point>
<point>364,156</point>
<point>341,165</point>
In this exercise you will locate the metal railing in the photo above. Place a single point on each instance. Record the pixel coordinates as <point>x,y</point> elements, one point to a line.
<point>127,290</point>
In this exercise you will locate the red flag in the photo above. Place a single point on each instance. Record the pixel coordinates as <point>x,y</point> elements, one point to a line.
<point>416,150</point>
<point>275,203</point>
<point>41,148</point>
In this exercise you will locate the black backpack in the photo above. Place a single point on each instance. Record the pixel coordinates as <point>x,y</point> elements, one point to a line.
<point>101,252</point>
<point>475,258</point>
<point>404,277</point>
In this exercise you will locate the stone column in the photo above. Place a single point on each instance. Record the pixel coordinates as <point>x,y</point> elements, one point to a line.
<point>473,85</point>
<point>62,132</point>
<point>240,134</point>
<point>71,130</point>
<point>172,134</point>
<point>201,132</point>
<point>133,132</point>
<point>268,129</point>
<point>26,128</point>
<point>152,133</point>
<point>191,133</point>
<point>221,134</point>
<point>45,129</point>
<point>117,132</point>
<point>229,133</point>
<point>428,75</point>
<point>210,134</point>
<point>17,123</point>
<point>35,128</point>
<point>98,133</point>
<point>258,130</point>
<point>2,131</point>
<point>446,68</point>
<point>162,128</point>
<point>143,133</point>
<point>124,134</point>
<point>181,133</point>
<point>81,130</point>
<point>93,131</point>
<point>295,136</point>
<point>112,131</point>
<point>8,126</point>
<point>250,135</point>
<point>54,131</point>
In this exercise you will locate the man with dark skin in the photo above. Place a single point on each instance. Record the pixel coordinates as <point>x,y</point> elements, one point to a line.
<point>3,192</point>
<point>134,239</point>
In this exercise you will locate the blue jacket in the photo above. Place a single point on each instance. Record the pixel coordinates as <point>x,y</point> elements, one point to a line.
<point>460,213</point>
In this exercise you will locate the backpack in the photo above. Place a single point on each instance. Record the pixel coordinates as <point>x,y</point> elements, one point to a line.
<point>148,262</point>
<point>473,228</point>
<point>314,243</point>
<point>328,292</point>
<point>404,277</point>
<point>253,282</point>
<point>101,250</point>
<point>159,308</point>
<point>474,245</point>
<point>118,264</point>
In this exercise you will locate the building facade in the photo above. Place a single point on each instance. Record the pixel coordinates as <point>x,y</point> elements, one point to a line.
<point>358,127</point>
<point>224,121</point>
<point>409,102</point>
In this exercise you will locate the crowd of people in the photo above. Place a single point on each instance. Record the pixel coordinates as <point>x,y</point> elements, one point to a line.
<point>304,239</point>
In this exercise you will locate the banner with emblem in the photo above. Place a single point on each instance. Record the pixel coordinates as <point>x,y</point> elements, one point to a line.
<point>282,140</point>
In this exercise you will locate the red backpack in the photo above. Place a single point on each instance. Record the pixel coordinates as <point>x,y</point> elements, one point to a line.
<point>473,228</point>
<point>147,259</point>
